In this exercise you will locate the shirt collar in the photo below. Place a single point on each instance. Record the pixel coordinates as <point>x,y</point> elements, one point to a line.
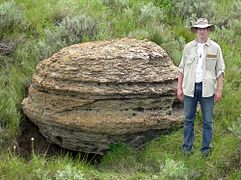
<point>206,43</point>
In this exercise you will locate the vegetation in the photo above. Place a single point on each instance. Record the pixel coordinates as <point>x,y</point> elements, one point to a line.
<point>32,30</point>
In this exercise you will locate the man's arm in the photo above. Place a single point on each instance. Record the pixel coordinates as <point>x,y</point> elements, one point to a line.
<point>180,95</point>
<point>220,75</point>
<point>179,87</point>
<point>218,94</point>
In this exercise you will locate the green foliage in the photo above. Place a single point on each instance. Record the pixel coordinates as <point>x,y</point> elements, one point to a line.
<point>184,33</point>
<point>62,167</point>
<point>79,27</point>
<point>121,159</point>
<point>69,172</point>
<point>192,9</point>
<point>174,170</point>
<point>69,31</point>
<point>150,13</point>
<point>234,18</point>
<point>235,175</point>
<point>121,4</point>
<point>11,97</point>
<point>62,9</point>
<point>11,18</point>
<point>236,128</point>
<point>27,55</point>
<point>1,135</point>
<point>41,28</point>
<point>52,42</point>
<point>225,155</point>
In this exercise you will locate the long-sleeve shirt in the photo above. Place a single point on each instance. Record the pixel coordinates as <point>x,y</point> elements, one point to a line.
<point>213,67</point>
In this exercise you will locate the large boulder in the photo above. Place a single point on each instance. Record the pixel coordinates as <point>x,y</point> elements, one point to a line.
<point>90,95</point>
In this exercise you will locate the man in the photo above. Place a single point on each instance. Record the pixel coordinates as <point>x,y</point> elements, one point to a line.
<point>202,65</point>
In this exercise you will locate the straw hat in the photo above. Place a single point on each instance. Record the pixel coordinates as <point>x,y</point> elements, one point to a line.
<point>202,23</point>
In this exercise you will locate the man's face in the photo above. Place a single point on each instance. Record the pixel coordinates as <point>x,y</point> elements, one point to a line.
<point>202,33</point>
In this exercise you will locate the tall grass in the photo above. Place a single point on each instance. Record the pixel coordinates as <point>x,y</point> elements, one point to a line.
<point>43,27</point>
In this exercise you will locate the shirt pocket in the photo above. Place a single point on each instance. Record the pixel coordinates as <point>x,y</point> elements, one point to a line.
<point>211,63</point>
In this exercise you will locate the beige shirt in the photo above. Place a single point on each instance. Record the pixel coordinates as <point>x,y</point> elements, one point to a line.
<point>213,67</point>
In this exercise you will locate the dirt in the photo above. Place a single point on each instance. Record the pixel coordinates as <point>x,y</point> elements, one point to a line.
<point>31,141</point>
<point>25,146</point>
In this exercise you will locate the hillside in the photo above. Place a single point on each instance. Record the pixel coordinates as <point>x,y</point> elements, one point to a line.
<point>32,30</point>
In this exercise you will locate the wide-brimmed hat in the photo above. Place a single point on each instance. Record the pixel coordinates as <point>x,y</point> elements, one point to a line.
<point>202,23</point>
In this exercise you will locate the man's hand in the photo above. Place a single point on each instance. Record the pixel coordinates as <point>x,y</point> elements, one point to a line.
<point>180,94</point>
<point>218,95</point>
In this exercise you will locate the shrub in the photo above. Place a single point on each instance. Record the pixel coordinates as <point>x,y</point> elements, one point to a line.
<point>11,18</point>
<point>62,9</point>
<point>69,172</point>
<point>235,11</point>
<point>173,46</point>
<point>192,9</point>
<point>79,27</point>
<point>53,40</point>
<point>167,5</point>
<point>235,25</point>
<point>172,170</point>
<point>150,14</point>
<point>139,34</point>
<point>69,31</point>
<point>117,4</point>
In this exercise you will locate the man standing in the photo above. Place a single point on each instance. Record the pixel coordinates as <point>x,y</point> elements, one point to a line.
<point>202,65</point>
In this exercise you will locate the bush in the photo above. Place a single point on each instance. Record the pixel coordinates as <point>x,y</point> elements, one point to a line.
<point>69,31</point>
<point>79,27</point>
<point>117,4</point>
<point>193,9</point>
<point>53,40</point>
<point>11,18</point>
<point>139,34</point>
<point>62,9</point>
<point>69,172</point>
<point>172,170</point>
<point>173,46</point>
<point>150,14</point>
<point>235,25</point>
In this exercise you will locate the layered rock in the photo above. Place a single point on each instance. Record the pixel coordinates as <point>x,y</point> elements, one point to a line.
<point>90,95</point>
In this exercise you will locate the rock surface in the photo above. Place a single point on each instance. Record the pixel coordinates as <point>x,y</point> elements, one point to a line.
<point>90,95</point>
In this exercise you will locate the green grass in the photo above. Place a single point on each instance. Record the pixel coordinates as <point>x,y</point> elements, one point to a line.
<point>35,27</point>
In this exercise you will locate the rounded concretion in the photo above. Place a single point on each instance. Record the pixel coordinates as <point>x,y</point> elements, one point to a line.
<point>90,95</point>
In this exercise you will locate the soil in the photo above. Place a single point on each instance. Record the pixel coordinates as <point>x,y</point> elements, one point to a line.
<point>24,143</point>
<point>25,147</point>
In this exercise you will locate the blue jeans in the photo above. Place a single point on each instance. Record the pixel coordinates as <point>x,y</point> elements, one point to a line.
<point>190,107</point>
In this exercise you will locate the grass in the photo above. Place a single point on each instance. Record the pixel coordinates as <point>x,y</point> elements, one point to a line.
<point>39,29</point>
